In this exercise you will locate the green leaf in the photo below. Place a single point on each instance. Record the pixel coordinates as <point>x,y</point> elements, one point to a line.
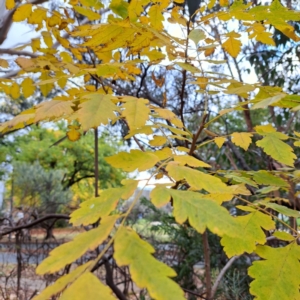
<point>250,233</point>
<point>267,178</point>
<point>281,209</point>
<point>197,35</point>
<point>269,101</point>
<point>91,210</point>
<point>62,282</point>
<point>87,286</point>
<point>71,251</point>
<point>145,270</point>
<point>277,149</point>
<point>277,276</point>
<point>119,7</point>
<point>136,159</point>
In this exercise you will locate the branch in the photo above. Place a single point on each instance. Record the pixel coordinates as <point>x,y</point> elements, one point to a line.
<point>17,52</point>
<point>221,275</point>
<point>38,221</point>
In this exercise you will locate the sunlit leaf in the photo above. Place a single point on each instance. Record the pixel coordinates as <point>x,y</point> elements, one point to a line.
<point>71,251</point>
<point>87,286</point>
<point>241,139</point>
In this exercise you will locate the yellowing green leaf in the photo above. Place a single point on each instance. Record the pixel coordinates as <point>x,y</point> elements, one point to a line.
<point>136,159</point>
<point>249,234</point>
<point>119,7</point>
<point>188,67</point>
<point>275,276</point>
<point>196,179</point>
<point>131,250</point>
<point>27,87</point>
<point>219,141</point>
<point>241,139</point>
<point>135,111</point>
<point>191,161</point>
<point>62,282</point>
<point>232,46</point>
<point>269,101</point>
<point>22,12</point>
<point>91,210</point>
<point>87,286</point>
<point>277,149</point>
<point>53,109</point>
<point>91,15</point>
<point>284,236</point>
<point>71,251</point>
<point>98,109</point>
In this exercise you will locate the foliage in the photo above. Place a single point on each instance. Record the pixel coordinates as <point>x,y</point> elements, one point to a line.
<point>38,189</point>
<point>75,160</point>
<point>105,54</point>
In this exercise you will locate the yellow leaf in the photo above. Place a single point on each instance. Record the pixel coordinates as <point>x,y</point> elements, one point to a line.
<point>135,111</point>
<point>3,63</point>
<point>46,88</point>
<point>241,139</point>
<point>28,87</point>
<point>232,46</point>
<point>15,91</point>
<point>73,135</point>
<point>156,17</point>
<point>98,109</point>
<point>191,161</point>
<point>10,4</point>
<point>280,264</point>
<point>54,20</point>
<point>169,115</point>
<point>71,251</point>
<point>219,141</point>
<point>47,38</point>
<point>135,8</point>
<point>62,282</point>
<point>158,140</point>
<point>25,63</point>
<point>136,159</point>
<point>24,118</point>
<point>91,15</point>
<point>131,250</point>
<point>91,210</point>
<point>87,286</point>
<point>249,235</point>
<point>284,236</point>
<point>37,17</point>
<point>22,12</point>
<point>53,109</point>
